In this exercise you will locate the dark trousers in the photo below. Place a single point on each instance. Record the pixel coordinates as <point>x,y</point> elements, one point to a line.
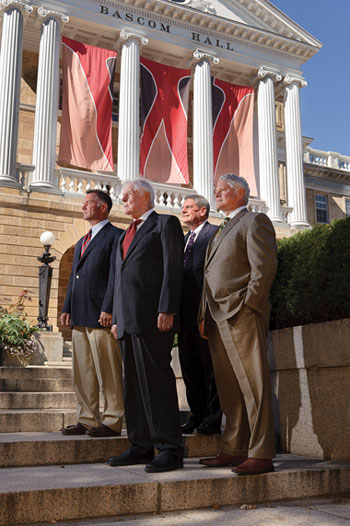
<point>198,375</point>
<point>150,396</point>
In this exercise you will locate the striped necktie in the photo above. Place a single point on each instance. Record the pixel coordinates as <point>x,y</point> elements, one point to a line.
<point>189,247</point>
<point>86,241</point>
<point>224,223</point>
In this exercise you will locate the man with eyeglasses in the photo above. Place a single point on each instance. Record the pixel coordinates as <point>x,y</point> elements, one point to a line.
<point>195,360</point>
<point>239,269</point>
<point>97,365</point>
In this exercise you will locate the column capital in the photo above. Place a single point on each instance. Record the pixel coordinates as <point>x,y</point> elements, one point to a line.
<point>289,79</point>
<point>20,4</point>
<point>125,34</point>
<point>200,54</point>
<point>274,74</point>
<point>44,13</point>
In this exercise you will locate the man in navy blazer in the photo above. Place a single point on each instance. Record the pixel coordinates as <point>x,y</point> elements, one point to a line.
<point>147,290</point>
<point>195,360</point>
<point>87,308</point>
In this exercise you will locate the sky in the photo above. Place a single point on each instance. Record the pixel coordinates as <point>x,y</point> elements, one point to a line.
<point>325,102</point>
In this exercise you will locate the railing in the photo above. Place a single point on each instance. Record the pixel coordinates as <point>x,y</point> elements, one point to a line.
<point>330,159</point>
<point>23,172</point>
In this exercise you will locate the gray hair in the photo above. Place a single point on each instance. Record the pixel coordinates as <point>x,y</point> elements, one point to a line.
<point>143,186</point>
<point>200,201</point>
<point>237,182</point>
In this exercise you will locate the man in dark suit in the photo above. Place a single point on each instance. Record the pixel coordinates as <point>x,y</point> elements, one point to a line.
<point>147,290</point>
<point>87,308</point>
<point>196,364</point>
<point>239,268</point>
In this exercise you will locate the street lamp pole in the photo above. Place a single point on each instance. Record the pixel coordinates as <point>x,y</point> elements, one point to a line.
<point>45,276</point>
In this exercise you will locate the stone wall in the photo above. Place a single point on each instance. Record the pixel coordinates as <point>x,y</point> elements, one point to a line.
<point>310,368</point>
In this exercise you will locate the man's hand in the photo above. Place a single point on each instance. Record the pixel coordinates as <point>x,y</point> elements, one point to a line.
<point>105,319</point>
<point>114,330</point>
<point>65,319</point>
<point>201,329</point>
<point>165,321</point>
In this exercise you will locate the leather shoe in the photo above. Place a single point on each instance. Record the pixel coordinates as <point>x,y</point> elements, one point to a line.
<point>254,466</point>
<point>131,457</point>
<point>102,431</point>
<point>222,460</point>
<point>188,428</point>
<point>207,429</point>
<point>76,429</point>
<point>164,461</point>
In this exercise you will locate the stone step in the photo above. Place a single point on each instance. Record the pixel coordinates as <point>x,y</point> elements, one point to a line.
<point>70,492</point>
<point>37,400</point>
<point>35,372</point>
<point>30,449</point>
<point>36,385</point>
<point>21,420</point>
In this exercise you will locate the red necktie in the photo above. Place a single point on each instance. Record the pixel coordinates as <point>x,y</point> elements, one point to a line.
<point>86,241</point>
<point>129,236</point>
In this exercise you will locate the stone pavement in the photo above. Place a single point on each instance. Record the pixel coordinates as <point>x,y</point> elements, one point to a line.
<point>301,513</point>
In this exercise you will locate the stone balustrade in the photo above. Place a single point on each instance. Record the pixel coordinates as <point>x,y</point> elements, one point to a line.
<point>330,159</point>
<point>23,173</point>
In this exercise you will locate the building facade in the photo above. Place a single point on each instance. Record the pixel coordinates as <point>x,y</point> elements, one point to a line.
<point>246,42</point>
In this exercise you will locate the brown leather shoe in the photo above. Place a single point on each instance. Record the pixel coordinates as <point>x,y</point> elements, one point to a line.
<point>222,460</point>
<point>102,431</point>
<point>76,429</point>
<point>254,466</point>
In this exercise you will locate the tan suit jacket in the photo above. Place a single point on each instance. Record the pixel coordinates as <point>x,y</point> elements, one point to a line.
<point>240,266</point>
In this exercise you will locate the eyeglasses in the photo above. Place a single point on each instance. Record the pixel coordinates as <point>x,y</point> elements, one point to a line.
<point>190,207</point>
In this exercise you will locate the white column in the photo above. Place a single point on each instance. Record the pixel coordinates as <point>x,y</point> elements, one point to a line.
<point>47,92</point>
<point>10,85</point>
<point>129,112</point>
<point>203,159</point>
<point>294,152</point>
<point>268,168</point>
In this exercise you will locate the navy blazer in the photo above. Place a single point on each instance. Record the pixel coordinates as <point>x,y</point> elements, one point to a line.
<point>192,284</point>
<point>87,293</point>
<point>148,281</point>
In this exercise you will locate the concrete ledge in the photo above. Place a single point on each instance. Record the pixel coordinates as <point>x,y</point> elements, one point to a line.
<point>35,385</point>
<point>32,400</point>
<point>18,420</point>
<point>35,372</point>
<point>39,449</point>
<point>95,490</point>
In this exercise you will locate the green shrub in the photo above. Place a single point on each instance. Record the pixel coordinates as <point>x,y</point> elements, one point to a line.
<point>313,278</point>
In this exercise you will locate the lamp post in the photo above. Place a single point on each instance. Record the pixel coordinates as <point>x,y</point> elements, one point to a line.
<point>45,275</point>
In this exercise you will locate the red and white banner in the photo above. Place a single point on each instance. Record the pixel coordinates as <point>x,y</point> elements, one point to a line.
<point>86,131</point>
<point>164,104</point>
<point>233,111</point>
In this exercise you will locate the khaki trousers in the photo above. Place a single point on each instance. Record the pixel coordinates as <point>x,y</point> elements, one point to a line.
<point>97,366</point>
<point>238,351</point>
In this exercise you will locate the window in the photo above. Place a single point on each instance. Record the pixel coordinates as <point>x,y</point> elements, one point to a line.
<point>347,207</point>
<point>322,208</point>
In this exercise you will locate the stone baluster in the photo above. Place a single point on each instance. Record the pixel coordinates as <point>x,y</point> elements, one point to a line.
<point>294,152</point>
<point>46,109</point>
<point>203,159</point>
<point>129,112</point>
<point>268,168</point>
<point>10,84</point>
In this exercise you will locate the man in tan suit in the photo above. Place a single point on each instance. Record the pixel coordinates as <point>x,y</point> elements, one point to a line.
<point>239,269</point>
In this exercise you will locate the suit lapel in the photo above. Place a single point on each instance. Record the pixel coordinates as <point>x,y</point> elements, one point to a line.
<point>94,242</point>
<point>217,240</point>
<point>146,227</point>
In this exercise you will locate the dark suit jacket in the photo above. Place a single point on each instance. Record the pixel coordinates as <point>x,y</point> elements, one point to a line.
<point>148,281</point>
<point>87,293</point>
<point>192,284</point>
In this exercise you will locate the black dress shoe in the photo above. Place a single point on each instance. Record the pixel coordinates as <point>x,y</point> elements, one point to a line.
<point>207,429</point>
<point>102,431</point>
<point>164,461</point>
<point>188,428</point>
<point>131,457</point>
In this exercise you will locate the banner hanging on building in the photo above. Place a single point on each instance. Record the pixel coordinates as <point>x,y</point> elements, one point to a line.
<point>233,111</point>
<point>164,105</point>
<point>86,130</point>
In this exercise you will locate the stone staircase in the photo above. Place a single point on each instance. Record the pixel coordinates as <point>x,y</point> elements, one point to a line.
<point>48,477</point>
